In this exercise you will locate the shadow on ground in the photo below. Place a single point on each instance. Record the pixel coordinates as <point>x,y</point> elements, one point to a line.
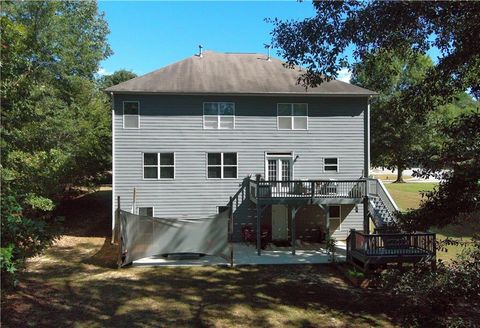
<point>87,215</point>
<point>75,284</point>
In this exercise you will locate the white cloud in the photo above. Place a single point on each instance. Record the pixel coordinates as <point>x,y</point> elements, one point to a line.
<point>344,75</point>
<point>102,71</point>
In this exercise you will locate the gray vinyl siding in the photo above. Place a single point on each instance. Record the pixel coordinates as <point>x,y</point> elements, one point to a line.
<point>175,124</point>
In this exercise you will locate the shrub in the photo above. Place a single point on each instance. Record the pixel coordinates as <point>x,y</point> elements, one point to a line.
<point>331,244</point>
<point>22,237</point>
<point>446,297</point>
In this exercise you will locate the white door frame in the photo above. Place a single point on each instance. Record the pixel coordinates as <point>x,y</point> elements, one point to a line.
<point>288,156</point>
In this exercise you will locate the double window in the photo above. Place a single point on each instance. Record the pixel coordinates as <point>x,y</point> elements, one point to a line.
<point>131,114</point>
<point>330,164</point>
<point>158,165</point>
<point>222,165</point>
<point>292,116</point>
<point>219,115</point>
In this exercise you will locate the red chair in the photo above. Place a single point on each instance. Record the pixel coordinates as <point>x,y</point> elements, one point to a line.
<point>249,235</point>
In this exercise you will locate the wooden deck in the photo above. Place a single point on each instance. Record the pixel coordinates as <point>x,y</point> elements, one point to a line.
<point>371,249</point>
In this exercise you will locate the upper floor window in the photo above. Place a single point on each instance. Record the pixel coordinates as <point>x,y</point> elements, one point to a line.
<point>158,165</point>
<point>292,116</point>
<point>131,114</point>
<point>218,115</point>
<point>330,164</point>
<point>222,165</point>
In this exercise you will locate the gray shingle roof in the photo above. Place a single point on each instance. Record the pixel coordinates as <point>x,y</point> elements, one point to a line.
<point>230,73</point>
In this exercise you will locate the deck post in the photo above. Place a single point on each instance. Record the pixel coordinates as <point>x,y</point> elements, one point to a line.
<point>366,222</point>
<point>327,218</point>
<point>293,213</point>
<point>259,241</point>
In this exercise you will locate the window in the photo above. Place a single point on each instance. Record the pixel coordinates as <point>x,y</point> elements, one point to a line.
<point>218,115</point>
<point>167,165</point>
<point>131,114</point>
<point>145,211</point>
<point>158,165</point>
<point>222,165</point>
<point>292,116</point>
<point>150,166</point>
<point>330,164</point>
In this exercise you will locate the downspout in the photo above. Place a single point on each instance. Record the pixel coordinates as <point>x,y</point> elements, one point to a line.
<point>113,167</point>
<point>366,168</point>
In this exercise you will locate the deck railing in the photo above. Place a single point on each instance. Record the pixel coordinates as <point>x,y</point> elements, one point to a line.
<point>307,189</point>
<point>376,188</point>
<point>392,244</point>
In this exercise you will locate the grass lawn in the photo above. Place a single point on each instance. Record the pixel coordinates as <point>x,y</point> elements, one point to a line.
<point>408,196</point>
<point>76,284</point>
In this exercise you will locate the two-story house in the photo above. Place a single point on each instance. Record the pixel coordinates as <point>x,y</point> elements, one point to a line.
<point>186,136</point>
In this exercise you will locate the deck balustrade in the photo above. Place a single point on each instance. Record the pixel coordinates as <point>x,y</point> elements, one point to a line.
<point>307,189</point>
<point>381,247</point>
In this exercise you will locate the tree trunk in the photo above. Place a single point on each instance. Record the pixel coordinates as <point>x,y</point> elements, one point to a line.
<point>399,175</point>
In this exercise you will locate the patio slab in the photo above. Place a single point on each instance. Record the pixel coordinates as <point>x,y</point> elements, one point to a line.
<point>247,255</point>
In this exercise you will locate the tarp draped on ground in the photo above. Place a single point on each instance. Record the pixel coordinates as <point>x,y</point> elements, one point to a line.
<point>145,236</point>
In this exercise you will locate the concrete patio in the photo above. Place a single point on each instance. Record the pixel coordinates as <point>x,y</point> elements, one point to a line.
<point>247,255</point>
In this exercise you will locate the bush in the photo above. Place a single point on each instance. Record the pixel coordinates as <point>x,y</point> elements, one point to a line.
<point>446,297</point>
<point>22,237</point>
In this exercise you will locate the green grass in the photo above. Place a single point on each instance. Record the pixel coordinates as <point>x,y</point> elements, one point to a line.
<point>409,195</point>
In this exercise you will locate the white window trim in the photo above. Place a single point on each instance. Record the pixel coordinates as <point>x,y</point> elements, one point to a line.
<point>138,210</point>
<point>291,117</point>
<point>123,113</point>
<point>339,218</point>
<point>221,165</point>
<point>338,165</point>
<point>158,165</point>
<point>218,116</point>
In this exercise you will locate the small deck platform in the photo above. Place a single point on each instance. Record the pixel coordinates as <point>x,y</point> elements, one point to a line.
<point>371,249</point>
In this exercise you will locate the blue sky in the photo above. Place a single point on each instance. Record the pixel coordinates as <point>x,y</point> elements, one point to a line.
<point>147,35</point>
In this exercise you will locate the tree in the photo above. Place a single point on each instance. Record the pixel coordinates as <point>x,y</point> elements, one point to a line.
<point>55,122</point>
<point>115,78</point>
<point>396,134</point>
<point>455,161</point>
<point>322,43</point>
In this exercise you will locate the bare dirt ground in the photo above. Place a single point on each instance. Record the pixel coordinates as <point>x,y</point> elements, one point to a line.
<point>75,283</point>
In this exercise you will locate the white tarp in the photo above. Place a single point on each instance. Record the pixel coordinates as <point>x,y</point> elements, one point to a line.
<point>145,236</point>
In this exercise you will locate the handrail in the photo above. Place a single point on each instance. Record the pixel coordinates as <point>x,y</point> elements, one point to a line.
<point>239,191</point>
<point>378,189</point>
<point>320,180</point>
